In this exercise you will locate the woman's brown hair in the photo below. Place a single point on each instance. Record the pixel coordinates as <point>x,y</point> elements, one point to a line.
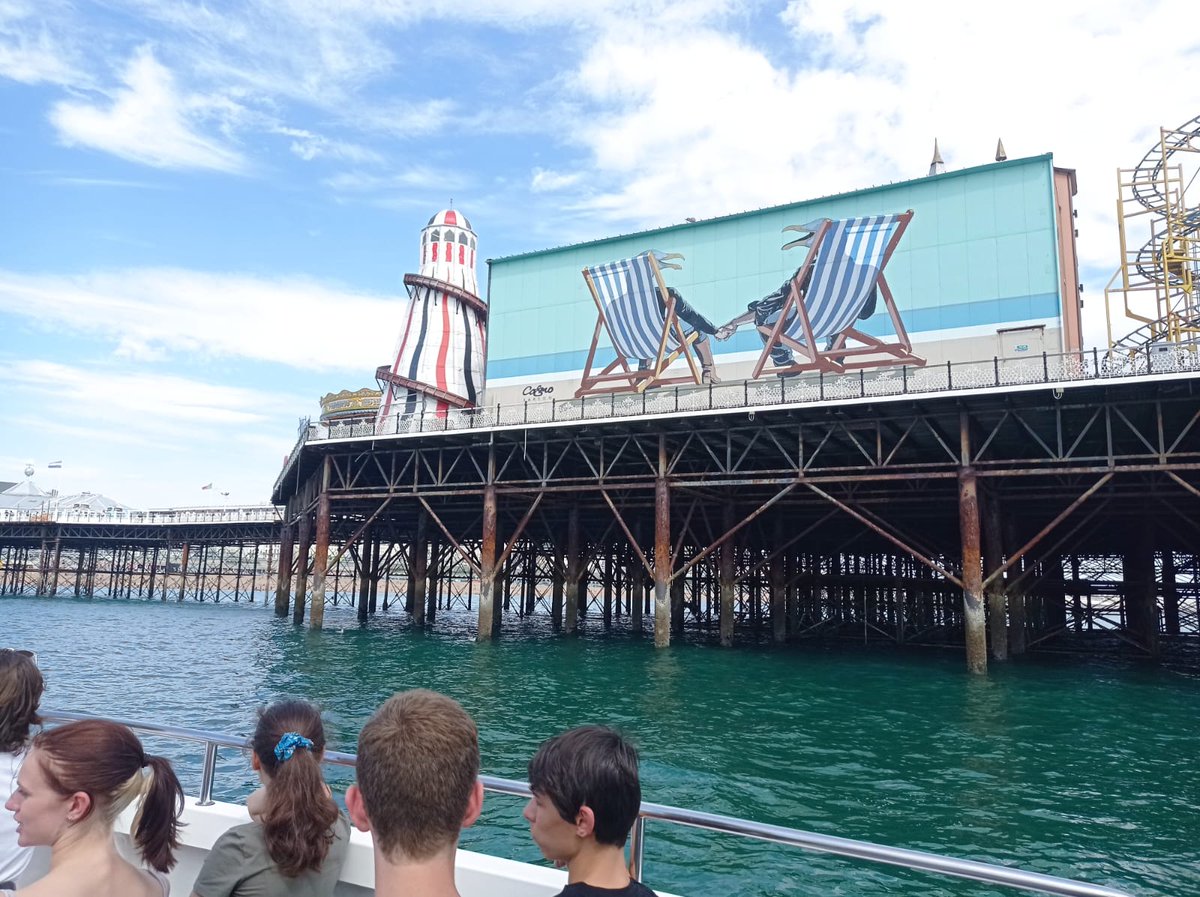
<point>21,687</point>
<point>298,814</point>
<point>107,762</point>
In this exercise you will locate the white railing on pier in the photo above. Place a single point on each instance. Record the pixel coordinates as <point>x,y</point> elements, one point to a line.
<point>993,373</point>
<point>167,516</point>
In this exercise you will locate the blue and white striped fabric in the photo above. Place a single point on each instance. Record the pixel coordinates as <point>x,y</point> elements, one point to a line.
<point>844,273</point>
<point>627,295</point>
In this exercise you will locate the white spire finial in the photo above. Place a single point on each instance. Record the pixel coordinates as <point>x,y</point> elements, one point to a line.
<point>1001,155</point>
<point>936,165</point>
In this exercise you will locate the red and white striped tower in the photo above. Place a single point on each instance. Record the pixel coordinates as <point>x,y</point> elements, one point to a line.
<point>441,350</point>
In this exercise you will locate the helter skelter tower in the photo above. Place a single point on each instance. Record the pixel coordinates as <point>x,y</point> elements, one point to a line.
<point>439,362</point>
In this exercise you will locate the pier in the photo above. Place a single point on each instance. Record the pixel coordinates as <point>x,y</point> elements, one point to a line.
<point>993,506</point>
<point>1052,507</point>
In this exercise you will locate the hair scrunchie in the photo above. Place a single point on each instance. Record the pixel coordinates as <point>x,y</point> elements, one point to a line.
<point>288,744</point>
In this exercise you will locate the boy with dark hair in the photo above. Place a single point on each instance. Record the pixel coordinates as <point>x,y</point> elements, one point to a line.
<point>418,786</point>
<point>585,800</point>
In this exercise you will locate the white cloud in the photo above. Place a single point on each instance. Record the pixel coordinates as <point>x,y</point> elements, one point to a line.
<point>150,121</point>
<point>141,399</point>
<point>309,146</point>
<point>29,53</point>
<point>153,314</point>
<point>545,181</point>
<point>416,177</point>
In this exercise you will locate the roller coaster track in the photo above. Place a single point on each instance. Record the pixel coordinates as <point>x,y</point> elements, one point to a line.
<point>1168,263</point>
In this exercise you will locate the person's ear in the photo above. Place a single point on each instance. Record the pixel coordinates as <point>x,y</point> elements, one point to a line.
<point>255,763</point>
<point>585,821</point>
<point>356,809</point>
<point>474,805</point>
<point>78,806</point>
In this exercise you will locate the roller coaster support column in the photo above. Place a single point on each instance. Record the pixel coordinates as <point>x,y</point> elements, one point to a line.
<point>420,568</point>
<point>662,551</point>
<point>574,570</point>
<point>487,561</point>
<point>283,583</point>
<point>316,616</point>
<point>993,557</point>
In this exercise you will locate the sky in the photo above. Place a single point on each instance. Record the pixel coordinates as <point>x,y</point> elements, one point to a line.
<point>207,208</point>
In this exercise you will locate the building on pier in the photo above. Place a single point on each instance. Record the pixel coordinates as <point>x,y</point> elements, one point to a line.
<point>986,268</point>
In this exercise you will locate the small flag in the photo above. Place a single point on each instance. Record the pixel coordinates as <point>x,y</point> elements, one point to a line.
<point>54,464</point>
<point>209,486</point>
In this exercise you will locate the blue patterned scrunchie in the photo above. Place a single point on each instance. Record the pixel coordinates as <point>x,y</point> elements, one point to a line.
<point>288,744</point>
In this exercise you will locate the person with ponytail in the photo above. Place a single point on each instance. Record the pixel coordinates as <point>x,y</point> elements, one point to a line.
<point>21,688</point>
<point>75,781</point>
<point>296,840</point>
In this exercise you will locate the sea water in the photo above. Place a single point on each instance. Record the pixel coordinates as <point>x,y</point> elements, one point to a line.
<point>1077,767</point>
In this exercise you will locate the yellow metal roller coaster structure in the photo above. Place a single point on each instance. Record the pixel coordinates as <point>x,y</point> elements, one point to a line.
<point>1159,278</point>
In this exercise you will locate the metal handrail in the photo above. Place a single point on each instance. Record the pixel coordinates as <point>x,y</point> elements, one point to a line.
<point>713,822</point>
<point>1060,369</point>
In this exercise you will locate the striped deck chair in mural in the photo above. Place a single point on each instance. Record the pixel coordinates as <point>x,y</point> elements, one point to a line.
<point>830,292</point>
<point>639,326</point>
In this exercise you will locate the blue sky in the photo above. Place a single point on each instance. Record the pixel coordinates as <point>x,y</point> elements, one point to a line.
<point>206,209</point>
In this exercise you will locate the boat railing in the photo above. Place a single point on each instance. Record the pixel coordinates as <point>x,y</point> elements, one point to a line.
<point>989,873</point>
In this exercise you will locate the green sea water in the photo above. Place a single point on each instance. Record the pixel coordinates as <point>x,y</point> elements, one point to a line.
<point>1079,767</point>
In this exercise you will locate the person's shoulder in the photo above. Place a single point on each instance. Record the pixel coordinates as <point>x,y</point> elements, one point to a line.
<point>341,833</point>
<point>583,889</point>
<point>246,838</point>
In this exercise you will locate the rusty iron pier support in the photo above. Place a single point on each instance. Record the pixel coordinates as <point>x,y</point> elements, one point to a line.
<point>302,568</point>
<point>993,557</point>
<point>1140,588</point>
<point>488,596</point>
<point>574,571</point>
<point>419,571</point>
<point>972,573</point>
<point>725,575</point>
<point>662,550</point>
<point>283,584</point>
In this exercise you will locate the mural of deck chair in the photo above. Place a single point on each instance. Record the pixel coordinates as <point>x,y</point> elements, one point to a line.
<point>838,279</point>
<point>639,326</point>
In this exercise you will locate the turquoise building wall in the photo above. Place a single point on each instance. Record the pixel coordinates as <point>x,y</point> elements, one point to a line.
<point>981,252</point>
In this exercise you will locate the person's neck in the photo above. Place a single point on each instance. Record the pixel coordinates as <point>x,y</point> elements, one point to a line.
<point>600,865</point>
<point>429,878</point>
<point>92,846</point>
